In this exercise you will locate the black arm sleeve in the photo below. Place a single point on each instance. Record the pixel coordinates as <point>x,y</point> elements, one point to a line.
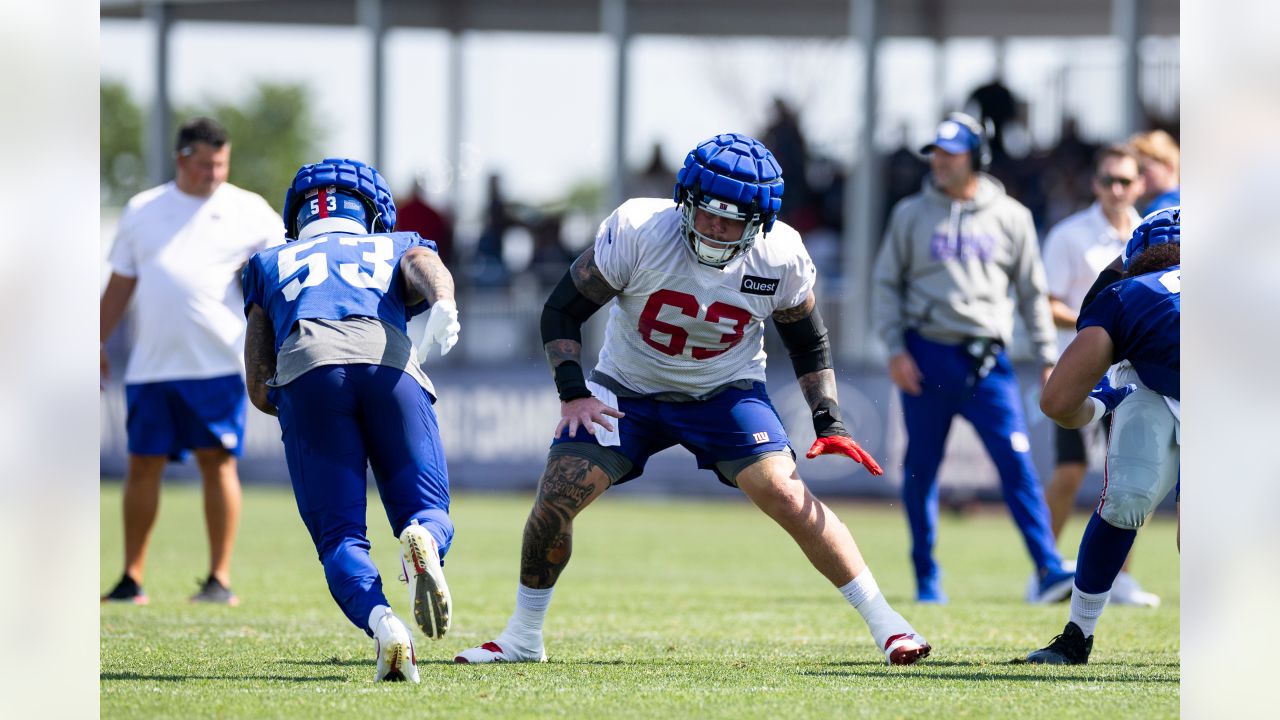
<point>1108,276</point>
<point>562,318</point>
<point>806,340</point>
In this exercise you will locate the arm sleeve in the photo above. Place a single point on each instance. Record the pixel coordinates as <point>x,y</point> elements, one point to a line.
<point>616,249</point>
<point>1033,298</point>
<point>888,285</point>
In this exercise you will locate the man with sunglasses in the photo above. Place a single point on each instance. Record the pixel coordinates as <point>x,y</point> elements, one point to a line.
<point>1075,251</point>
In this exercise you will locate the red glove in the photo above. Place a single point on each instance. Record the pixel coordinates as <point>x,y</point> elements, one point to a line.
<point>844,445</point>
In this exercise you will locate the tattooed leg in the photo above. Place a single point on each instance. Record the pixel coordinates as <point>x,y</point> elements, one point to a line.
<point>567,486</point>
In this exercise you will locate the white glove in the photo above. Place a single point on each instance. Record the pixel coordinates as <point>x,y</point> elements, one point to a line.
<point>442,328</point>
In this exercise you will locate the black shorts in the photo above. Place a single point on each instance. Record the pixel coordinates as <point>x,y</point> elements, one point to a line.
<point>1070,443</point>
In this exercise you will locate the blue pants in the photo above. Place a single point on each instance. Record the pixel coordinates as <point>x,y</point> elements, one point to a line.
<point>993,406</point>
<point>335,421</point>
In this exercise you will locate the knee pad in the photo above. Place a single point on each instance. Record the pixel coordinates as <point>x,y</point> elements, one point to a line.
<point>1126,510</point>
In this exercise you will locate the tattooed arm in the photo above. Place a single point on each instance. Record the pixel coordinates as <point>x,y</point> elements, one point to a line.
<point>581,292</point>
<point>805,336</point>
<point>585,291</point>
<point>259,358</point>
<point>425,277</point>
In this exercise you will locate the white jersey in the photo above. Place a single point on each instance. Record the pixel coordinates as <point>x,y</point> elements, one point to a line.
<point>1075,251</point>
<point>681,326</point>
<point>186,253</point>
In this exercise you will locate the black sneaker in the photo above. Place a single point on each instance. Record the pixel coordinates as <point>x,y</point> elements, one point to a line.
<point>127,591</point>
<point>1069,648</point>
<point>213,591</point>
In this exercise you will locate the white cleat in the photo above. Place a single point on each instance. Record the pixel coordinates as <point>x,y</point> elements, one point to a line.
<point>428,591</point>
<point>397,661</point>
<point>905,648</point>
<point>500,650</point>
<point>1126,591</point>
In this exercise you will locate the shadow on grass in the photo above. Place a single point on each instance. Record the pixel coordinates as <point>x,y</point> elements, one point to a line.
<point>351,662</point>
<point>105,677</point>
<point>997,671</point>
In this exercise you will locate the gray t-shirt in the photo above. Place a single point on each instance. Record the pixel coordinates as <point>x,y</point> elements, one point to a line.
<point>350,341</point>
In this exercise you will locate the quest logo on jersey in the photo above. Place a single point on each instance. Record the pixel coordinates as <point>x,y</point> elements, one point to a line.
<point>753,285</point>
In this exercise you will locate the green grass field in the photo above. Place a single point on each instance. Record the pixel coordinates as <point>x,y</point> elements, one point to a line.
<point>669,609</point>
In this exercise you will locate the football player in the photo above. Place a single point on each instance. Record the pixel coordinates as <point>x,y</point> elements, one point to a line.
<point>1134,320</point>
<point>326,351</point>
<point>689,286</point>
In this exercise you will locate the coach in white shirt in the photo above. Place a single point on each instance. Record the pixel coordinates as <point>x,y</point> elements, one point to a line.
<point>1075,251</point>
<point>177,255</point>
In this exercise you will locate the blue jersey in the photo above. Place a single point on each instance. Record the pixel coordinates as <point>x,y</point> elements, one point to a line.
<point>332,277</point>
<point>1141,314</point>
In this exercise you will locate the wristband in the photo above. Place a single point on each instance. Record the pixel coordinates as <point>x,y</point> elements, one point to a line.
<point>570,381</point>
<point>826,420</point>
<point>1099,409</point>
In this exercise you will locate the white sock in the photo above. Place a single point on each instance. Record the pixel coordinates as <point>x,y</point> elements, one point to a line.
<point>375,615</point>
<point>863,594</point>
<point>1086,609</point>
<point>531,611</point>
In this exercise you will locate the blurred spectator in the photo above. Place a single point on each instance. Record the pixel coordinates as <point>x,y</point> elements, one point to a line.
<point>1158,159</point>
<point>903,172</point>
<point>995,103</point>
<point>655,180</point>
<point>784,138</point>
<point>488,268</point>
<point>415,214</point>
<point>550,257</point>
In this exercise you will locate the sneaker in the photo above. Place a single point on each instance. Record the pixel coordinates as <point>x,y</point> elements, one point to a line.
<point>905,648</point>
<point>127,591</point>
<point>1033,583</point>
<point>213,591</point>
<point>393,643</point>
<point>428,591</point>
<point>1055,586</point>
<point>1126,591</point>
<point>929,590</point>
<point>500,650</point>
<point>1069,648</point>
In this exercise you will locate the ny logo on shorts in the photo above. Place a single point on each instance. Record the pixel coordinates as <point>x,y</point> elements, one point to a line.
<point>761,437</point>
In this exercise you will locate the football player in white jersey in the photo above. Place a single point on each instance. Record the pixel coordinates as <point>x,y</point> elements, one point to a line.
<point>692,284</point>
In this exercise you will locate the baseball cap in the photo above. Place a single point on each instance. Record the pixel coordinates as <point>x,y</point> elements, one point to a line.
<point>953,137</point>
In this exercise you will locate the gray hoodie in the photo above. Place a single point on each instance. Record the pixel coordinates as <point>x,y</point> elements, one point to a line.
<point>946,268</point>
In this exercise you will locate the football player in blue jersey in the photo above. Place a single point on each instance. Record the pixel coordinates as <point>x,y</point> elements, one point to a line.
<point>1134,322</point>
<point>326,350</point>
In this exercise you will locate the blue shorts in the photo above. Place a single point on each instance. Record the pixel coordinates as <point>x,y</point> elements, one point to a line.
<point>171,417</point>
<point>733,425</point>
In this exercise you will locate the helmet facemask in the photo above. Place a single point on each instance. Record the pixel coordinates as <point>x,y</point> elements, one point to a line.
<point>708,250</point>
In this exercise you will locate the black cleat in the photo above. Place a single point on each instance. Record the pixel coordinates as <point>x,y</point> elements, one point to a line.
<point>1069,648</point>
<point>213,591</point>
<point>127,591</point>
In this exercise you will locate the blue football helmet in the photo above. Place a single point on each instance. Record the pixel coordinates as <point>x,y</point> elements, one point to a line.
<point>735,177</point>
<point>1160,227</point>
<point>343,184</point>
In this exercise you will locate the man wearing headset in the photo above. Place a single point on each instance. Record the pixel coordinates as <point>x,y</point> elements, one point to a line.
<point>943,307</point>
